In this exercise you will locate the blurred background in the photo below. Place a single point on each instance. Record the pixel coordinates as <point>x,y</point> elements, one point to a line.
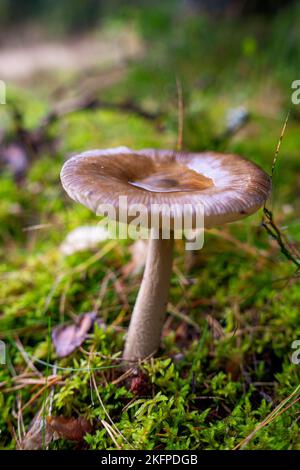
<point>231,59</point>
<point>97,74</point>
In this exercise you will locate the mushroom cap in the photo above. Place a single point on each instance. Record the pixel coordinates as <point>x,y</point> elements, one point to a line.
<point>227,186</point>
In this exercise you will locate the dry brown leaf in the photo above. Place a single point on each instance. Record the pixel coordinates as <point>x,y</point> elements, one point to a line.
<point>38,436</point>
<point>66,338</point>
<point>71,429</point>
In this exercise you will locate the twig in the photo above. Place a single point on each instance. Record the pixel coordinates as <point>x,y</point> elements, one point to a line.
<point>37,139</point>
<point>116,430</point>
<point>290,252</point>
<point>251,250</point>
<point>177,314</point>
<point>21,427</point>
<point>39,393</point>
<point>180,114</point>
<point>91,104</point>
<point>26,358</point>
<point>271,417</point>
<point>280,142</point>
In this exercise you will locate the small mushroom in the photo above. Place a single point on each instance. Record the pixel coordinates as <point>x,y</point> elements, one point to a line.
<point>227,186</point>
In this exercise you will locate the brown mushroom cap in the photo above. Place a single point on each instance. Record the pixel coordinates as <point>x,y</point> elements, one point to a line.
<point>228,186</point>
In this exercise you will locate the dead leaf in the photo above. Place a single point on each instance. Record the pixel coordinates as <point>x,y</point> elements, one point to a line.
<point>38,436</point>
<point>66,338</point>
<point>71,429</point>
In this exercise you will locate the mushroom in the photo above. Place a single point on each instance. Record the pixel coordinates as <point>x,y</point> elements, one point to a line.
<point>227,186</point>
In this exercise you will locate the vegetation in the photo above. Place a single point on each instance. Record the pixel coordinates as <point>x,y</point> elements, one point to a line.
<point>225,361</point>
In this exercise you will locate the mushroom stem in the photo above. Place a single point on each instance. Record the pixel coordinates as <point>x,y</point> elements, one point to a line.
<point>148,316</point>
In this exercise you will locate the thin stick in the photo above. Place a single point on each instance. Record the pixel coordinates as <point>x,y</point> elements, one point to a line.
<point>277,151</point>
<point>180,114</point>
<point>280,142</point>
<point>145,328</point>
<point>271,417</point>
